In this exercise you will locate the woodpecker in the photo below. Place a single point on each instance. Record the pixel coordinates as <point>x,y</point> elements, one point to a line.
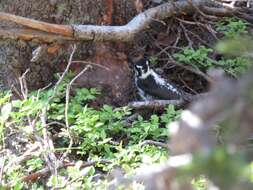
<point>152,86</point>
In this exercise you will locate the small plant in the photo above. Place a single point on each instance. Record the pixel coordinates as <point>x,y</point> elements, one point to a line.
<point>170,114</point>
<point>152,129</point>
<point>97,128</point>
<point>153,60</point>
<point>196,58</point>
<point>136,155</point>
<point>200,183</point>
<point>232,27</point>
<point>97,134</point>
<point>142,129</point>
<point>235,66</point>
<point>34,163</point>
<point>199,59</point>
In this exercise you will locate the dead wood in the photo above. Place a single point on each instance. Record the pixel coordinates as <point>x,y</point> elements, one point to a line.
<point>155,104</point>
<point>124,33</point>
<point>158,104</point>
<point>63,30</point>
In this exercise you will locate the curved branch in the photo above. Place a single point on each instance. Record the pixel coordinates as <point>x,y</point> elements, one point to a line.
<point>124,33</point>
<point>140,22</point>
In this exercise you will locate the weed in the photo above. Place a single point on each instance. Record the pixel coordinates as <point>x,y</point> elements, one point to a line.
<point>196,58</point>
<point>153,60</point>
<point>231,27</point>
<point>199,59</point>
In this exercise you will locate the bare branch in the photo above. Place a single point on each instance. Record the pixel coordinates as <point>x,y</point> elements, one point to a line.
<point>155,143</point>
<point>91,63</point>
<point>30,34</point>
<point>63,30</point>
<point>48,146</point>
<point>155,104</point>
<point>67,107</point>
<point>99,33</point>
<point>138,23</point>
<point>158,104</point>
<point>64,73</point>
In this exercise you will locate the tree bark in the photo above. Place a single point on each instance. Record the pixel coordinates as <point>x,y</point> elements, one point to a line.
<point>15,55</point>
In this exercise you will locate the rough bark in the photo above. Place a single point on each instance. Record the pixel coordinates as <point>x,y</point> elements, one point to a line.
<point>15,55</point>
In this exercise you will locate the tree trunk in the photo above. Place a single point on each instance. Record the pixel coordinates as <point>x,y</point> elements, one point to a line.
<point>15,56</point>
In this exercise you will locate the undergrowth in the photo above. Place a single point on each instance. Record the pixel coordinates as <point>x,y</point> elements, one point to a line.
<point>201,57</point>
<point>98,134</point>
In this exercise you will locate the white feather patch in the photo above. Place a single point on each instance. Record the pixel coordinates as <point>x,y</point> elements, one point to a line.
<point>191,119</point>
<point>180,160</point>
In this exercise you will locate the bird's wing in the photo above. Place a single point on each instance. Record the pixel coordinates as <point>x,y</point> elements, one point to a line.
<point>161,91</point>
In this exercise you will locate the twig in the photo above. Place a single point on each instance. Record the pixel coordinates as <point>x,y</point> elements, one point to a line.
<point>190,43</point>
<point>178,37</point>
<point>26,156</point>
<point>45,171</point>
<point>162,49</point>
<point>155,143</point>
<point>152,104</point>
<point>66,110</point>
<point>200,39</point>
<point>64,73</point>
<point>155,104</point>
<point>91,63</point>
<point>2,164</point>
<point>196,71</point>
<point>45,143</point>
<point>55,123</point>
<point>15,90</point>
<point>23,85</point>
<point>49,156</point>
<point>208,28</point>
<point>187,86</point>
<point>127,122</point>
<point>167,48</point>
<point>200,11</point>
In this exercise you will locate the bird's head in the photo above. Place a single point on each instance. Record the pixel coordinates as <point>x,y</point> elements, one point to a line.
<point>141,68</point>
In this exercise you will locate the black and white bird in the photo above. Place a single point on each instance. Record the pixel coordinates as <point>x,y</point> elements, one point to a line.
<point>152,86</point>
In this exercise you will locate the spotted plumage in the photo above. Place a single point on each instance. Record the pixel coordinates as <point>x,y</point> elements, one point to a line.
<point>152,86</point>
